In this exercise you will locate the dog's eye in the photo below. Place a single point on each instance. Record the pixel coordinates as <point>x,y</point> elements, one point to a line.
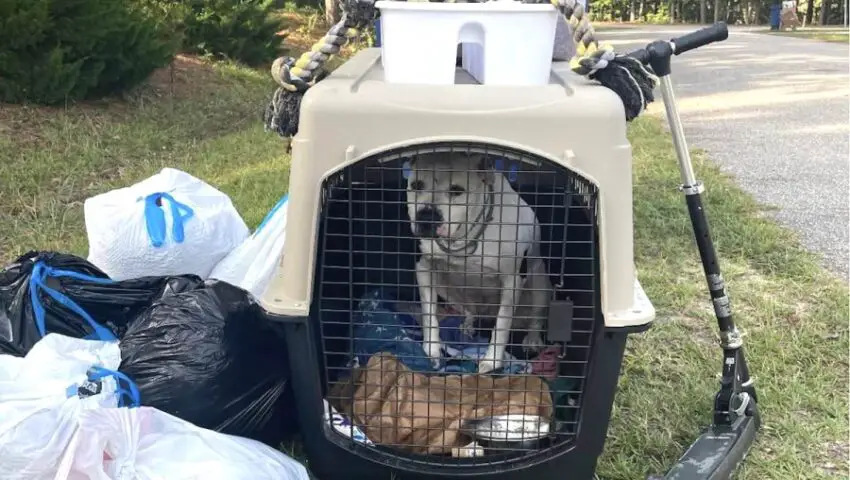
<point>456,190</point>
<point>417,185</point>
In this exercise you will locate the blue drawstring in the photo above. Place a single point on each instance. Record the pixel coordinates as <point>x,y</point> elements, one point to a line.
<point>271,213</point>
<point>512,171</point>
<point>96,373</point>
<point>40,272</point>
<point>512,174</point>
<point>155,218</point>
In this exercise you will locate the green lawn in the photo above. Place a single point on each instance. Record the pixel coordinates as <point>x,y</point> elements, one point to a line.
<point>794,314</point>
<point>824,34</point>
<point>207,122</point>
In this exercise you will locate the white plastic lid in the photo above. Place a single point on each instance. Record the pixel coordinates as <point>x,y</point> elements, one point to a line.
<point>497,6</point>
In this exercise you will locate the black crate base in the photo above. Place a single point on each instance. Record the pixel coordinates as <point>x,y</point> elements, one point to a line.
<point>333,457</point>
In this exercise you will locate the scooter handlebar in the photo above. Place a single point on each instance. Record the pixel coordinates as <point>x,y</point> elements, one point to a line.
<point>715,33</point>
<point>665,49</point>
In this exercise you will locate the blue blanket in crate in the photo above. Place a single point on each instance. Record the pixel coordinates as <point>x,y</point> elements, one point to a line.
<point>380,327</point>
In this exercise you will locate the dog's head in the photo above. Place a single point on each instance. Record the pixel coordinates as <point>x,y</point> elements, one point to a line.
<point>447,191</point>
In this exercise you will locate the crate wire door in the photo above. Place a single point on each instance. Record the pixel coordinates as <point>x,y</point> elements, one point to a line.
<point>376,368</point>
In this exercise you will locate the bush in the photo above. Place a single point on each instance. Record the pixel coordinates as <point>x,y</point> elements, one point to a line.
<point>52,51</point>
<point>660,16</point>
<point>241,30</point>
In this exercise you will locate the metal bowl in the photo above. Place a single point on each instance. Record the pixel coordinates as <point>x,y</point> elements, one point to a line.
<point>508,432</point>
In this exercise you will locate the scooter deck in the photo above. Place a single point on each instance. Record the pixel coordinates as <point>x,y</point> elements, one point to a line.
<point>717,453</point>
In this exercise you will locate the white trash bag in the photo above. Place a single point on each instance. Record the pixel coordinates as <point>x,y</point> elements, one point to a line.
<point>251,265</point>
<point>169,224</point>
<point>147,444</point>
<point>42,396</point>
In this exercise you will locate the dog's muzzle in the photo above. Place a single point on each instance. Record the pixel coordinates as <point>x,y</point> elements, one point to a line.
<point>427,220</point>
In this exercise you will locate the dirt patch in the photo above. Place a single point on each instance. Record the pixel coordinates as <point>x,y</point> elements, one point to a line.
<point>701,328</point>
<point>21,124</point>
<point>300,31</point>
<point>180,80</point>
<point>836,459</point>
<point>801,311</point>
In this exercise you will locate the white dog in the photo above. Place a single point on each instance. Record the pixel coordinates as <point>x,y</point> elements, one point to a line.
<point>480,252</point>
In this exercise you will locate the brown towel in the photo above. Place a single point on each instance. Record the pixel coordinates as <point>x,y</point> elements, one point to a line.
<point>422,413</point>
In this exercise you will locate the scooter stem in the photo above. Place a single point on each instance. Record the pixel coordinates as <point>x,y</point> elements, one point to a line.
<point>683,155</point>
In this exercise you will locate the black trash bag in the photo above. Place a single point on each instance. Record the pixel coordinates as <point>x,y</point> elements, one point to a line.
<point>49,292</point>
<point>209,356</point>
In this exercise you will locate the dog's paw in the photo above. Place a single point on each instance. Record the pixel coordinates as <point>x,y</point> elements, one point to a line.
<point>487,366</point>
<point>533,342</point>
<point>489,362</point>
<point>434,350</point>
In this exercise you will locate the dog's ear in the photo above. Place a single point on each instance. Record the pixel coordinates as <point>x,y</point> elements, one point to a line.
<point>484,167</point>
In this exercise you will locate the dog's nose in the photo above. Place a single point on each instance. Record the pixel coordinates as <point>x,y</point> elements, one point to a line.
<point>428,215</point>
<point>427,220</point>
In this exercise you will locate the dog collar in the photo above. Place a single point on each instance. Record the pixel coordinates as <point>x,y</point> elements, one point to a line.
<point>469,243</point>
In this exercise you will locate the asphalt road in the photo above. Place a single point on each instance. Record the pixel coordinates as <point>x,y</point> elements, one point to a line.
<point>773,111</point>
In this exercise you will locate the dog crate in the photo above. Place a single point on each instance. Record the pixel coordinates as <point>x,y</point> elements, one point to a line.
<point>370,157</point>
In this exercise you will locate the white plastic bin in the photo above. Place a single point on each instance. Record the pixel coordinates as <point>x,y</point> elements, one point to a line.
<point>504,42</point>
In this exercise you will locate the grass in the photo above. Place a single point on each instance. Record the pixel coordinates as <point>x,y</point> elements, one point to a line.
<point>831,35</point>
<point>794,313</point>
<point>206,122</point>
<point>196,116</point>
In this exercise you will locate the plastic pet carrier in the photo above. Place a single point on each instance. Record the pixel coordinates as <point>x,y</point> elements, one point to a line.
<point>460,285</point>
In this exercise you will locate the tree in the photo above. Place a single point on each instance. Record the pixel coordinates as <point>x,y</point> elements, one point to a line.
<point>242,30</point>
<point>751,12</point>
<point>332,11</point>
<point>810,11</point>
<point>824,11</point>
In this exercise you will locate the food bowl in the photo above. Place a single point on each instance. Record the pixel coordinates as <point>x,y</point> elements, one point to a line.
<point>512,432</point>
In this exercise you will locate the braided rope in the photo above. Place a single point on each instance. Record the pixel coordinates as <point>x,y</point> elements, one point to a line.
<point>295,76</point>
<point>590,54</point>
<point>628,77</point>
<point>299,74</point>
